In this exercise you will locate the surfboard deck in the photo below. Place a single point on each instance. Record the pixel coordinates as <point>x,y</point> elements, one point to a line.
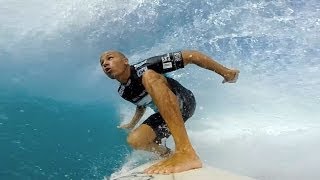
<point>204,173</point>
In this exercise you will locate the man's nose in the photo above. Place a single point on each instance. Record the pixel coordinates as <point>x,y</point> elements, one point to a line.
<point>105,64</point>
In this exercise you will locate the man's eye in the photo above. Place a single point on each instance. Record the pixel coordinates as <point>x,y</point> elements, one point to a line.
<point>109,58</point>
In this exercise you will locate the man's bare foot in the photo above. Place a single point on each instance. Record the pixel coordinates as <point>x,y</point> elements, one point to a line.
<point>231,76</point>
<point>178,162</point>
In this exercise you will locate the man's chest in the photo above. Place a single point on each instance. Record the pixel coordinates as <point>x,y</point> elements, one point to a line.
<point>132,91</point>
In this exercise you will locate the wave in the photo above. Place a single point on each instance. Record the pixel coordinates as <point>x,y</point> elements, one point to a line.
<point>51,50</point>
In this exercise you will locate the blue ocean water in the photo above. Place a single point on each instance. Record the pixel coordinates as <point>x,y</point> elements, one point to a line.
<point>43,138</point>
<point>58,112</point>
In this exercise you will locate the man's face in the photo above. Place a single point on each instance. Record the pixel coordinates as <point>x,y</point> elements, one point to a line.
<point>113,64</point>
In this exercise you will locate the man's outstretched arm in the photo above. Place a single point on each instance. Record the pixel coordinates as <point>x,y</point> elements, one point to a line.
<point>204,61</point>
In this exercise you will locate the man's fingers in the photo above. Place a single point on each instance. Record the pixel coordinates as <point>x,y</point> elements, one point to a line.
<point>121,126</point>
<point>125,127</point>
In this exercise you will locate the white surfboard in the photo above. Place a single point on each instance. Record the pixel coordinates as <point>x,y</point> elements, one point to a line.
<point>204,173</point>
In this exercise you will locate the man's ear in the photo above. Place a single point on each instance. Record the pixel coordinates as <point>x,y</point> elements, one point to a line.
<point>126,61</point>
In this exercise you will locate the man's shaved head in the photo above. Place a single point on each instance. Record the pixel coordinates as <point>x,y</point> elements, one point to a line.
<point>105,54</point>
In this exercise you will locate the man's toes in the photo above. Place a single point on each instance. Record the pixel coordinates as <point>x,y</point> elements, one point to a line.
<point>149,170</point>
<point>156,171</point>
<point>153,168</point>
<point>166,171</point>
<point>170,169</point>
<point>162,171</point>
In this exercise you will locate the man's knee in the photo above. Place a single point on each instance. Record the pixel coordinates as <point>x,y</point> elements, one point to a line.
<point>135,141</point>
<point>141,137</point>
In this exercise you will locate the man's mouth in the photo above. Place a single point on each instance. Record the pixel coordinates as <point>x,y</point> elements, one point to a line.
<point>108,70</point>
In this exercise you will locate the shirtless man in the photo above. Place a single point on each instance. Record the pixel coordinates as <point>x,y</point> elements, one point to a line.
<point>145,85</point>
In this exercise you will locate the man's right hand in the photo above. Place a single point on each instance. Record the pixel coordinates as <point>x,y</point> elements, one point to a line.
<point>128,126</point>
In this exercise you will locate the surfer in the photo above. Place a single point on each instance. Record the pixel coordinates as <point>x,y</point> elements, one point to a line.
<point>145,85</point>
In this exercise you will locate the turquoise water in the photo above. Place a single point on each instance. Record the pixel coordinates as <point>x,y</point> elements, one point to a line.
<point>47,139</point>
<point>58,112</point>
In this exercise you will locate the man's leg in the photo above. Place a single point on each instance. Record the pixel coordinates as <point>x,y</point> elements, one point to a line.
<point>143,137</point>
<point>184,158</point>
